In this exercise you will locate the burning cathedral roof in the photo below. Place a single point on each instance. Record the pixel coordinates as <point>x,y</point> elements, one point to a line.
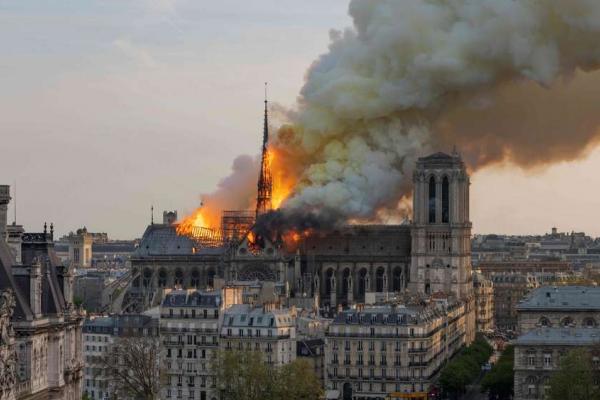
<point>163,240</point>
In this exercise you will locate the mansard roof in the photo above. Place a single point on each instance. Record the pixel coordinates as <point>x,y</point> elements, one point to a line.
<point>546,336</point>
<point>244,315</point>
<point>191,298</point>
<point>563,298</point>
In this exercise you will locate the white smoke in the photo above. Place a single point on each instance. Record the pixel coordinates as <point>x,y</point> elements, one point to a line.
<point>410,75</point>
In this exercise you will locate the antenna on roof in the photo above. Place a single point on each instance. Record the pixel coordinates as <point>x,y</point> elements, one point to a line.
<point>152,214</point>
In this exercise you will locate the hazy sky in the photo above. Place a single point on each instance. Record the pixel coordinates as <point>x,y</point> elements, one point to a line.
<point>107,107</point>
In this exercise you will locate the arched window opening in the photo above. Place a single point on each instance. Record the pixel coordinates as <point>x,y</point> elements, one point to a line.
<point>195,282</point>
<point>178,278</point>
<point>379,281</point>
<point>147,277</point>
<point>362,282</point>
<point>210,278</point>
<point>445,200</point>
<point>589,322</point>
<point>397,280</point>
<point>328,276</point>
<point>566,322</point>
<point>345,281</point>
<point>432,200</point>
<point>162,278</point>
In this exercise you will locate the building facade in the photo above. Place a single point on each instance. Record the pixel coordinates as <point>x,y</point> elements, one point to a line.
<point>267,329</point>
<point>100,335</point>
<point>381,350</point>
<point>484,302</point>
<point>337,267</point>
<point>560,307</point>
<point>538,353</point>
<point>189,328</point>
<point>552,320</point>
<point>44,333</point>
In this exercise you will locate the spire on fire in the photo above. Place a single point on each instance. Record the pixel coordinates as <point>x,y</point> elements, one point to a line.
<point>265,181</point>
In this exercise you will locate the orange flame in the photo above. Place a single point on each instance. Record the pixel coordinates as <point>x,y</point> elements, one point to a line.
<point>283,184</point>
<point>202,217</point>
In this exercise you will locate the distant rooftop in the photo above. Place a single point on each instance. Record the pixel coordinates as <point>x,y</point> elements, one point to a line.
<point>191,298</point>
<point>388,315</point>
<point>562,298</point>
<point>560,336</point>
<point>244,315</point>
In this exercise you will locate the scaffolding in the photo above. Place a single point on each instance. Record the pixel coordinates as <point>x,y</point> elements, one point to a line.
<point>235,224</point>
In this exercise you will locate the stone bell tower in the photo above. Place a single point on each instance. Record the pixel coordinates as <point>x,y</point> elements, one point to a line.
<point>441,230</point>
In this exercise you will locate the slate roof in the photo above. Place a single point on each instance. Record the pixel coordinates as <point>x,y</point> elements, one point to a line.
<point>35,246</point>
<point>7,281</point>
<point>560,337</point>
<point>562,298</point>
<point>244,315</point>
<point>191,298</point>
<point>163,240</point>
<point>389,315</point>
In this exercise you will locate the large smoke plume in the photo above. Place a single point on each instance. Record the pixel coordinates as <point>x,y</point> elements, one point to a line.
<point>503,80</point>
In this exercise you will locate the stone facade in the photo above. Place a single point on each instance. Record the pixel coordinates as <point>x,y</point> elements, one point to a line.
<point>46,325</point>
<point>538,354</point>
<point>560,307</point>
<point>8,355</point>
<point>484,302</point>
<point>509,290</point>
<point>441,231</point>
<point>100,334</point>
<point>189,328</point>
<point>80,248</point>
<point>267,329</point>
<point>380,350</point>
<point>551,322</point>
<point>336,267</point>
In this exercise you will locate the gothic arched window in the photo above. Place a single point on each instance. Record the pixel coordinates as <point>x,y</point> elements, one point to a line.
<point>195,281</point>
<point>210,278</point>
<point>328,286</point>
<point>397,280</point>
<point>346,281</point>
<point>178,277</point>
<point>379,281</point>
<point>445,200</point>
<point>162,278</point>
<point>431,200</point>
<point>362,282</point>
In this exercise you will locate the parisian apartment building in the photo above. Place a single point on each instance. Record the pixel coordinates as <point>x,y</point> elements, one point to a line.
<point>552,321</point>
<point>377,350</point>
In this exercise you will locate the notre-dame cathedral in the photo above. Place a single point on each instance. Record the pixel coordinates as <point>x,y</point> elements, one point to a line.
<point>428,255</point>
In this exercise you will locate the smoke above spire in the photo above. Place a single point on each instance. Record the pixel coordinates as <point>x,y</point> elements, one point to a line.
<point>503,80</point>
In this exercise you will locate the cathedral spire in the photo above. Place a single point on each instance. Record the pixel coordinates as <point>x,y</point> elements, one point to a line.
<point>265,181</point>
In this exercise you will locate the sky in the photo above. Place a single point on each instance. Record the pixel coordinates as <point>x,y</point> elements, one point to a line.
<point>109,107</point>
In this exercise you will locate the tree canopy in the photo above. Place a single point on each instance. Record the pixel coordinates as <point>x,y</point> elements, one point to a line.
<point>575,378</point>
<point>465,367</point>
<point>499,382</point>
<point>245,375</point>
